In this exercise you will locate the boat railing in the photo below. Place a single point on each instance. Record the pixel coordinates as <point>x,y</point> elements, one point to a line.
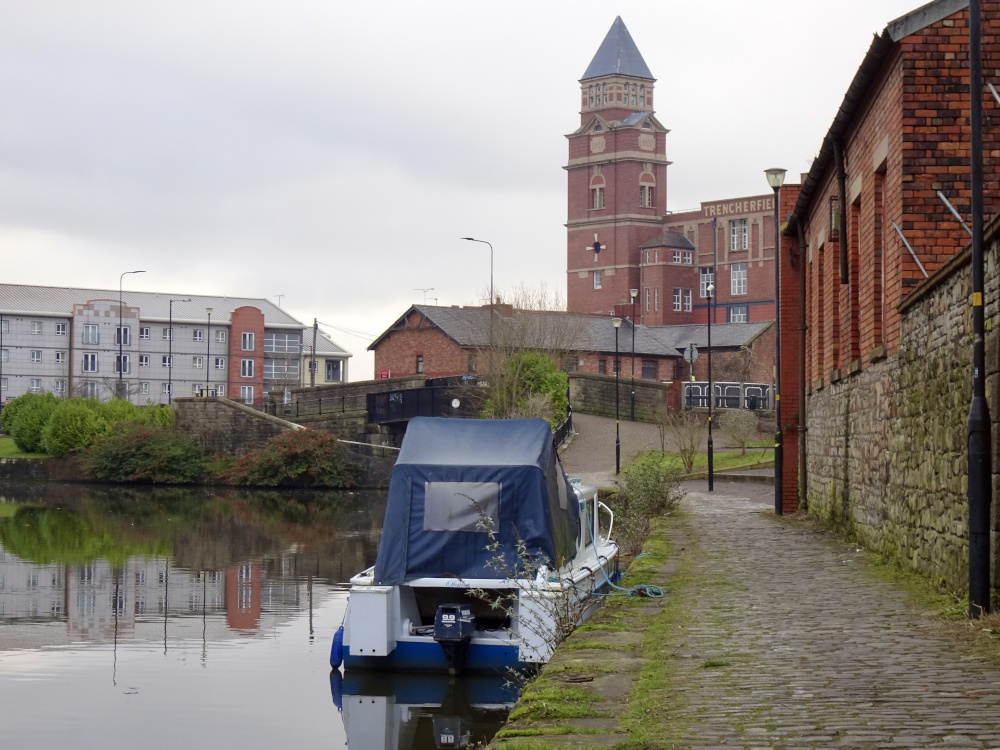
<point>611,522</point>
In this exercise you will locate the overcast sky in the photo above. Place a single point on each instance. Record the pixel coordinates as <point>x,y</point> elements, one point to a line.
<point>335,152</point>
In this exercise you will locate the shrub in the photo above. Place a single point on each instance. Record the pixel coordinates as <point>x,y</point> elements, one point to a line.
<point>144,453</point>
<point>71,427</point>
<point>740,426</point>
<point>530,385</point>
<point>11,409</point>
<point>686,430</point>
<point>646,488</point>
<point>29,421</point>
<point>297,458</point>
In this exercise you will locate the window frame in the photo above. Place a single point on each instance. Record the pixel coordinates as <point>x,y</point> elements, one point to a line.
<point>706,276</point>
<point>197,334</point>
<point>738,279</point>
<point>36,356</point>
<point>61,329</point>
<point>91,334</point>
<point>688,306</point>
<point>248,337</point>
<point>247,367</point>
<point>678,305</point>
<point>598,279</point>
<point>91,362</point>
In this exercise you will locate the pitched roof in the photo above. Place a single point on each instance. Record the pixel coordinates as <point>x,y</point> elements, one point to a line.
<point>469,327</point>
<point>618,55</point>
<point>670,239</point>
<point>723,334</point>
<point>49,301</point>
<point>324,345</point>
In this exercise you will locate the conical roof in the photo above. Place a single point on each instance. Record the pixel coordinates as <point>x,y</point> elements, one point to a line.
<point>618,55</point>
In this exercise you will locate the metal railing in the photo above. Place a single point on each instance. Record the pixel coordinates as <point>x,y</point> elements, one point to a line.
<point>563,431</point>
<point>729,395</point>
<point>314,407</point>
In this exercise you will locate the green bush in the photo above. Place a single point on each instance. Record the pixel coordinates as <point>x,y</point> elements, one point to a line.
<point>144,453</point>
<point>646,488</point>
<point>29,421</point>
<point>530,385</point>
<point>11,409</point>
<point>297,458</point>
<point>72,427</point>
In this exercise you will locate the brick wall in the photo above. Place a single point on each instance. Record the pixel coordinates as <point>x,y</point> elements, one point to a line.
<point>399,349</point>
<point>250,320</point>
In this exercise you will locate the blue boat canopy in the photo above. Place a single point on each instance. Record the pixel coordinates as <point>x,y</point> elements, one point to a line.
<point>452,474</point>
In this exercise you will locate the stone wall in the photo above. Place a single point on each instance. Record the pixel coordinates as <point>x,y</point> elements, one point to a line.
<point>595,394</point>
<point>221,425</point>
<point>887,445</point>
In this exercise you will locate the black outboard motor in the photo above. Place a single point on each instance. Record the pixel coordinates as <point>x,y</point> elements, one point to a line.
<point>453,628</point>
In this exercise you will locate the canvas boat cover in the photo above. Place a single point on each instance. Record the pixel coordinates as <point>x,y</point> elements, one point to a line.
<point>450,474</point>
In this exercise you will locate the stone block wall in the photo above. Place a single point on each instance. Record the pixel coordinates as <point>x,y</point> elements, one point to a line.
<point>595,394</point>
<point>887,445</point>
<point>221,425</point>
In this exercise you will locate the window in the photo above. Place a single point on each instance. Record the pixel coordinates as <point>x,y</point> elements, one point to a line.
<point>281,369</point>
<point>144,333</point>
<point>677,300</point>
<point>220,363</point>
<point>35,385</point>
<point>220,337</point>
<point>246,394</point>
<point>736,314</point>
<point>197,362</point>
<point>143,360</point>
<point>420,363</point>
<point>121,363</point>
<point>602,367</point>
<point>677,256</point>
<point>333,371</point>
<point>143,389</point>
<point>36,356</point>
<point>196,389</point>
<point>646,196</point>
<point>165,389</point>
<point>36,327</point>
<point>282,343</point>
<point>738,234</point>
<point>5,325</point>
<point>168,334</point>
<point>90,362</point>
<point>597,197</point>
<point>122,336</point>
<point>738,278</point>
<point>3,384</point>
<point>60,358</point>
<point>91,334</point>
<point>247,341</point>
<point>642,102</point>
<point>58,386</point>
<point>647,299</point>
<point>688,258</point>
<point>246,368</point>
<point>197,335</point>
<point>4,355</point>
<point>220,389</point>
<point>60,329</point>
<point>598,279</point>
<point>649,369</point>
<point>707,277</point>
<point>656,298</point>
<point>167,361</point>
<point>472,363</point>
<point>88,389</point>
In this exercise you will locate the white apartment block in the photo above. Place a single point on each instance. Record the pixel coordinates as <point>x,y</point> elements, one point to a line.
<point>154,347</point>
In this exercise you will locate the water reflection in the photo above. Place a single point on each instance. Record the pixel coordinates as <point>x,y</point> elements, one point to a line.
<point>420,712</point>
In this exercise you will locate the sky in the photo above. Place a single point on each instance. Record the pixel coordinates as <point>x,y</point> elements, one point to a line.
<point>329,155</point>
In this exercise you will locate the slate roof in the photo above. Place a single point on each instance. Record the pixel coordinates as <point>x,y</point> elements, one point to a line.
<point>469,327</point>
<point>634,119</point>
<point>618,55</point>
<point>52,301</point>
<point>670,239</point>
<point>324,344</point>
<point>723,334</point>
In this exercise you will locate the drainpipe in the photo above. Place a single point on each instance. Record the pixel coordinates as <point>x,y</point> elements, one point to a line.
<point>838,155</point>
<point>802,367</point>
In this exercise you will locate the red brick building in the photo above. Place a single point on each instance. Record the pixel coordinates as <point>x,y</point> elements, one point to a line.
<point>619,236</point>
<point>868,225</point>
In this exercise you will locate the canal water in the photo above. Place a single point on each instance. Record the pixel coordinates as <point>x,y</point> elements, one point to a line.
<point>202,618</point>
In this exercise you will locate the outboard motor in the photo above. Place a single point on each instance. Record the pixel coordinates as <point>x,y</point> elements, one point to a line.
<point>453,628</point>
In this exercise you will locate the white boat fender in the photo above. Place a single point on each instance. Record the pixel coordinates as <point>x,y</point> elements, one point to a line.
<point>337,649</point>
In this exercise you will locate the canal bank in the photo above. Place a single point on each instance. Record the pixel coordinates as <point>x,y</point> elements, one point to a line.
<point>773,633</point>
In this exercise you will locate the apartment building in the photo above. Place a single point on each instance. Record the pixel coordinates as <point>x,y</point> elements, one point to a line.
<point>148,348</point>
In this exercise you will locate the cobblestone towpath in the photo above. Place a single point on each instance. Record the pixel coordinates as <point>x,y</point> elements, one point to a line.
<point>785,638</point>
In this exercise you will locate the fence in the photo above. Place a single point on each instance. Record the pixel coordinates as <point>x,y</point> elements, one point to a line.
<point>753,396</point>
<point>311,407</point>
<point>564,430</point>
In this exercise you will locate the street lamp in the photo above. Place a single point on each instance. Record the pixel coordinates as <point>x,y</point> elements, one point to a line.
<point>208,347</point>
<point>170,350</point>
<point>633,293</point>
<point>711,393</point>
<point>776,176</point>
<point>473,239</point>
<point>617,323</point>
<point>121,336</point>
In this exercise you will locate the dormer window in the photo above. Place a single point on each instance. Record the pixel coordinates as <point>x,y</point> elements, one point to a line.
<point>646,126</point>
<point>598,128</point>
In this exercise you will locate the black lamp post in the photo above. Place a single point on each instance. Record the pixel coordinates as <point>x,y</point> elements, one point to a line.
<point>711,394</point>
<point>208,347</point>
<point>170,349</point>
<point>617,322</point>
<point>776,176</point>
<point>492,298</point>
<point>121,336</point>
<point>633,293</point>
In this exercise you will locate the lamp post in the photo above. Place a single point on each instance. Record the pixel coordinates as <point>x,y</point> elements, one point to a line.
<point>711,394</point>
<point>617,322</point>
<point>492,298</point>
<point>208,347</point>
<point>633,293</point>
<point>121,336</point>
<point>776,176</point>
<point>170,350</point>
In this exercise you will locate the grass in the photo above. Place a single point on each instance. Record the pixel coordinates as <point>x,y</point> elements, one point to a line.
<point>7,510</point>
<point>9,450</point>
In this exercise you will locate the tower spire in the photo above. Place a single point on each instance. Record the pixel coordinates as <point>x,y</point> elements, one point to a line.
<point>618,55</point>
